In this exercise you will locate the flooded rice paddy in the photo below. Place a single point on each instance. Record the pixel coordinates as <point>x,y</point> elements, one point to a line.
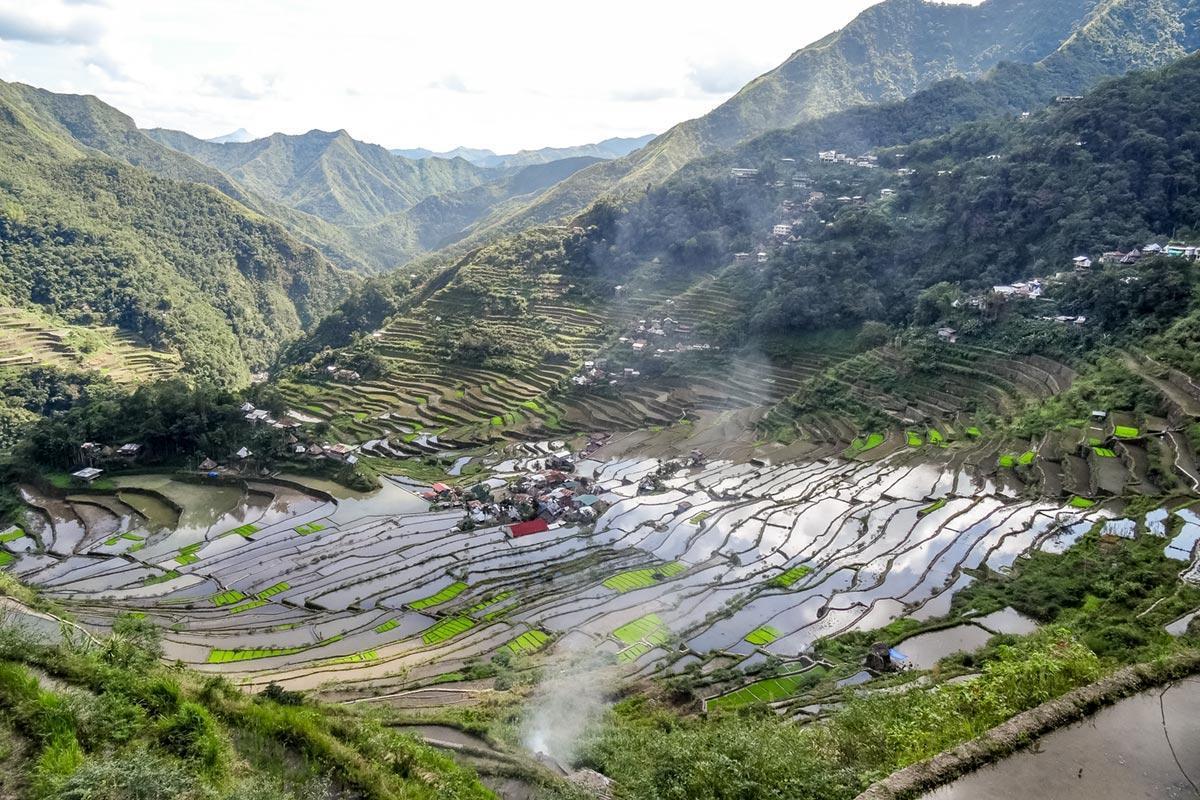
<point>1146,747</point>
<point>304,583</point>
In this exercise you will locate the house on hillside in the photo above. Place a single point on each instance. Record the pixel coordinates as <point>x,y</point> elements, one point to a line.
<point>339,452</point>
<point>130,450</point>
<point>243,453</point>
<point>743,173</point>
<point>1081,263</point>
<point>87,475</point>
<point>782,230</point>
<point>948,335</point>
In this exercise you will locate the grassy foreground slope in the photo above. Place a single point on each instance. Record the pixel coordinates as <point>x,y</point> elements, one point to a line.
<point>104,720</point>
<point>184,266</point>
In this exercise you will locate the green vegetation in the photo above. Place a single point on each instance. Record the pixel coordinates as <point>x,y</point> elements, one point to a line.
<point>770,690</point>
<point>228,598</point>
<point>699,517</point>
<point>763,635</point>
<point>641,578</point>
<point>1126,432</point>
<point>109,722</point>
<point>273,590</point>
<point>528,642</point>
<point>791,576</point>
<point>309,529</point>
<point>246,531</point>
<point>445,595</point>
<point>447,629</point>
<point>648,630</point>
<point>758,756</point>
<point>12,536</point>
<point>390,625</point>
<point>224,289</point>
<point>932,507</point>
<point>1082,502</point>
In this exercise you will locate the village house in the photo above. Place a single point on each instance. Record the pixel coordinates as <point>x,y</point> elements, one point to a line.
<point>948,335</point>
<point>131,450</point>
<point>1081,263</point>
<point>782,230</point>
<point>743,173</point>
<point>87,475</point>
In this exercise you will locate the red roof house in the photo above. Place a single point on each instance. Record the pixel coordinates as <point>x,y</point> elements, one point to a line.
<point>526,528</point>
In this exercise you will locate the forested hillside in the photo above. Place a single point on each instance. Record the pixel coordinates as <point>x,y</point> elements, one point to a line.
<point>183,265</point>
<point>385,208</point>
<point>890,51</point>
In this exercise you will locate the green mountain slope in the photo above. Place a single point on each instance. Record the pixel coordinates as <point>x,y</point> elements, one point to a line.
<point>329,174</point>
<point>385,208</point>
<point>187,267</point>
<point>888,52</point>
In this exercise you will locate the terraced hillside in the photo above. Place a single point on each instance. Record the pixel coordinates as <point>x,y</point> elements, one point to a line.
<point>28,339</point>
<point>725,564</point>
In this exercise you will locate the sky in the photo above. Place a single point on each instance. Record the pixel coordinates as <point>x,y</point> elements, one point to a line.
<point>498,75</point>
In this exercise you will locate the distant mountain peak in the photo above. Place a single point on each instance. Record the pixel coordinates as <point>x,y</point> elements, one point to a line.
<point>240,136</point>
<point>480,157</point>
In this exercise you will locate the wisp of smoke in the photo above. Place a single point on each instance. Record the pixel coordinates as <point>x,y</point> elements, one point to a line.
<point>565,705</point>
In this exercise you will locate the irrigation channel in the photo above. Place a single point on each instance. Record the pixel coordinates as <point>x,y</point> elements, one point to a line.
<point>297,582</point>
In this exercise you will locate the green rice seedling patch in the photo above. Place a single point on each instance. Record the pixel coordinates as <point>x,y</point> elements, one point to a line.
<point>500,612</point>
<point>1082,502</point>
<point>245,531</point>
<point>12,536</point>
<point>309,529</point>
<point>152,580</point>
<point>641,578</point>
<point>935,437</point>
<point>1126,432</point>
<point>1026,458</point>
<point>390,625</point>
<point>528,642</point>
<point>872,441</point>
<point>634,652</point>
<point>447,629</point>
<point>354,658</point>
<point>763,635</point>
<point>220,656</point>
<point>271,591</point>
<point>497,422</point>
<point>449,593</point>
<point>183,559</point>
<point>650,629</point>
<point>489,602</point>
<point>1095,441</point>
<point>768,691</point>
<point>791,576</point>
<point>1104,452</point>
<point>6,558</point>
<point>974,432</point>
<point>932,507</point>
<point>247,606</point>
<point>228,598</point>
<point>1008,461</point>
<point>914,440</point>
<point>700,517</point>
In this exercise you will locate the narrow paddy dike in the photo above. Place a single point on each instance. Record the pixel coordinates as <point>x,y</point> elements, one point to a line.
<point>378,596</point>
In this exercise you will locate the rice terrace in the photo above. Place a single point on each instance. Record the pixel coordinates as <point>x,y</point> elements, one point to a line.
<point>818,419</point>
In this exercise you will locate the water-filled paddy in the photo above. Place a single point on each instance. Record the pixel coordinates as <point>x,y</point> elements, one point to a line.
<point>861,544</point>
<point>1146,747</point>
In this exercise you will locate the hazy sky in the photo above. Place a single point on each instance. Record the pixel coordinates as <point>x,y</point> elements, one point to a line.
<point>502,75</point>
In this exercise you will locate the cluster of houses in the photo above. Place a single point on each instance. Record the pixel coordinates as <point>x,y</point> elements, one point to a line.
<point>1183,250</point>
<point>596,373</point>
<point>342,375</point>
<point>260,416</point>
<point>547,495</point>
<point>834,157</point>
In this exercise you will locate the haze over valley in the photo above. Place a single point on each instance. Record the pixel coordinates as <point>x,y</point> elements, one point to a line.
<point>426,428</point>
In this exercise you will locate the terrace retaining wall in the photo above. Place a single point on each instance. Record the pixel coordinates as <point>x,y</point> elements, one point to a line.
<point>1021,730</point>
